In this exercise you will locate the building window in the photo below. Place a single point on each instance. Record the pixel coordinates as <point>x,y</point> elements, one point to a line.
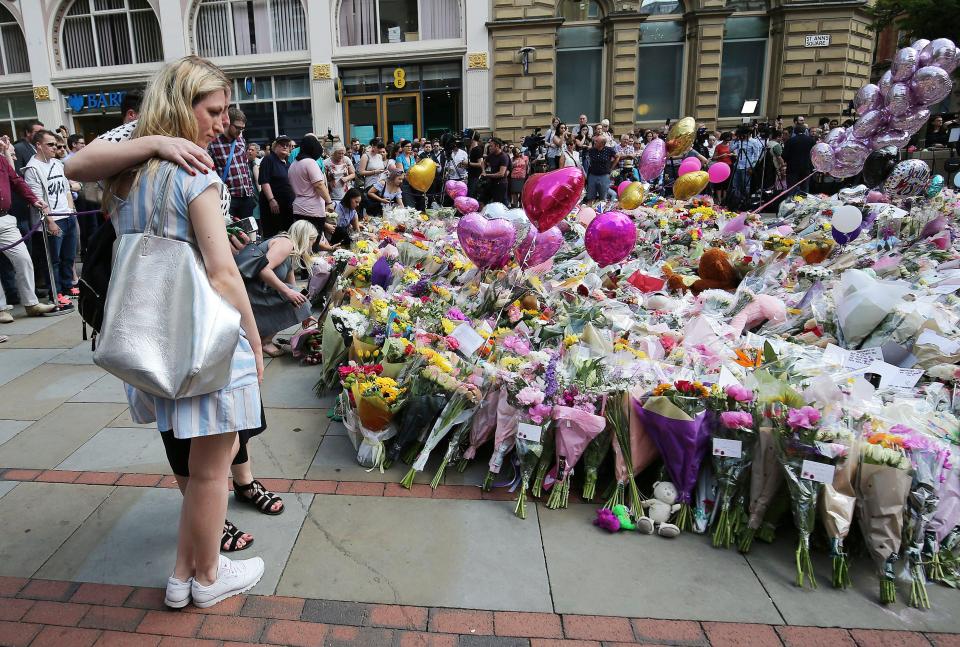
<point>579,62</point>
<point>243,27</point>
<point>368,22</point>
<point>101,33</point>
<point>13,49</point>
<point>15,112</point>
<point>743,64</point>
<point>661,7</point>
<point>661,49</point>
<point>274,105</point>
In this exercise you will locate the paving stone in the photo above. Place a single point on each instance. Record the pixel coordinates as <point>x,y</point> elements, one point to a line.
<point>596,585</point>
<point>105,594</point>
<point>10,428</point>
<point>815,637</point>
<point>874,638</point>
<point>37,518</point>
<point>420,639</point>
<point>6,486</point>
<point>461,621</point>
<point>349,636</point>
<point>107,389</point>
<point>50,440</point>
<point>119,449</point>
<point>170,623</point>
<point>17,634</point>
<point>55,590</point>
<point>287,448</point>
<point>63,334</point>
<point>668,631</point>
<point>124,639</point>
<point>65,637</point>
<point>341,553</point>
<point>728,634</point>
<point>38,392</point>
<point>112,618</point>
<point>124,420</point>
<point>854,608</point>
<point>295,633</point>
<point>45,612</point>
<point>944,640</point>
<point>288,385</point>
<point>15,362</point>
<point>335,613</point>
<point>597,628</point>
<point>132,539</point>
<point>336,460</point>
<point>273,606</point>
<point>23,325</point>
<point>13,609</point>
<point>493,641</point>
<point>79,354</point>
<point>228,628</point>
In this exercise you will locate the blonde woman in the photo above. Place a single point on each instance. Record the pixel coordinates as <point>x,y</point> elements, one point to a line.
<point>188,100</point>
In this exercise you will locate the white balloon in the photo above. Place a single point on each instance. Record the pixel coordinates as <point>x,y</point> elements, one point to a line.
<point>846,219</point>
<point>956,180</point>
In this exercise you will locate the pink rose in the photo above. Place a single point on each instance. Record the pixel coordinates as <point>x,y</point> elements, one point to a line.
<point>803,418</point>
<point>739,393</point>
<point>736,420</point>
<point>539,413</point>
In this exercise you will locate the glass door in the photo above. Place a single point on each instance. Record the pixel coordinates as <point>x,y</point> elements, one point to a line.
<point>401,116</point>
<point>363,118</point>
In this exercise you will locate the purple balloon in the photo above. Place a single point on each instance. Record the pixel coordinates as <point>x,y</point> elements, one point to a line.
<point>465,204</point>
<point>846,170</point>
<point>652,160</point>
<point>836,136</point>
<point>868,98</point>
<point>930,84</point>
<point>941,53</point>
<point>897,138</point>
<point>544,246</point>
<point>870,123</point>
<point>610,237</point>
<point>919,45</point>
<point>911,121</point>
<point>885,82</point>
<point>822,158</point>
<point>899,99</point>
<point>874,196</point>
<point>485,242</point>
<point>904,64</point>
<point>852,152</point>
<point>843,238</point>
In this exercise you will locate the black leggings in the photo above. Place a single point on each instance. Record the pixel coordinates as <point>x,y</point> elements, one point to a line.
<point>178,453</point>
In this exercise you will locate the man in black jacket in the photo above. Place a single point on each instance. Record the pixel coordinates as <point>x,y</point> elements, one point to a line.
<point>796,155</point>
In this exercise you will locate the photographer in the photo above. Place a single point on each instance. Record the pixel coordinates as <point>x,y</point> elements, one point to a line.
<point>453,162</point>
<point>748,151</point>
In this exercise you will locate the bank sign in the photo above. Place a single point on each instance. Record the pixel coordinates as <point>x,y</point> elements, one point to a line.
<point>96,101</point>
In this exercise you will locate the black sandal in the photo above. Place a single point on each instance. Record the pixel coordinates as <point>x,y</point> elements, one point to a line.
<point>231,537</point>
<point>262,499</point>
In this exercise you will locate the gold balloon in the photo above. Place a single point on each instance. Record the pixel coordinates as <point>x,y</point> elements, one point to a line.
<point>690,184</point>
<point>420,176</point>
<point>681,136</point>
<point>632,196</point>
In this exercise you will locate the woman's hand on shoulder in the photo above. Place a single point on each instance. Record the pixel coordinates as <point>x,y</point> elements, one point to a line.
<point>184,153</point>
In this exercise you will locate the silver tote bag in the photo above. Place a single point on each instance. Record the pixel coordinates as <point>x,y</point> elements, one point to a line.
<point>166,331</point>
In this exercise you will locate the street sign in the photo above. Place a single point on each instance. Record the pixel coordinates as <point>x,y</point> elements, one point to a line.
<point>817,40</point>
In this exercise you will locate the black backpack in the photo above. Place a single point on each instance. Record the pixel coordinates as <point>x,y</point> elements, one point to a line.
<point>95,279</point>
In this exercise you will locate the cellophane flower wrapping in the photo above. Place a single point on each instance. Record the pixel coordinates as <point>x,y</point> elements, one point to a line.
<point>633,450</point>
<point>944,567</point>
<point>483,425</point>
<point>593,457</point>
<point>838,500</point>
<point>735,423</point>
<point>882,489</point>
<point>528,453</point>
<point>574,430</point>
<point>334,354</point>
<point>505,435</point>
<point>423,406</point>
<point>682,440</point>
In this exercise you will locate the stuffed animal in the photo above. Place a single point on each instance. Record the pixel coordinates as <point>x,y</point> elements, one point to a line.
<point>763,307</point>
<point>614,520</point>
<point>658,511</point>
<point>715,272</point>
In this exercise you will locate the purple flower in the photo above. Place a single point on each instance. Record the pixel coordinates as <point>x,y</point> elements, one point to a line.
<point>803,418</point>
<point>736,420</point>
<point>539,413</point>
<point>456,314</point>
<point>739,393</point>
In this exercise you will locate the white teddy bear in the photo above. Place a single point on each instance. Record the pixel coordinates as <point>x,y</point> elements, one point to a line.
<point>659,509</point>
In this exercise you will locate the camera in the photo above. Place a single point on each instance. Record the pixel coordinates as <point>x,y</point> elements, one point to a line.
<point>534,142</point>
<point>449,139</point>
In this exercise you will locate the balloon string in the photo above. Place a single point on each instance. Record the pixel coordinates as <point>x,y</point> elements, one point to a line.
<point>781,194</point>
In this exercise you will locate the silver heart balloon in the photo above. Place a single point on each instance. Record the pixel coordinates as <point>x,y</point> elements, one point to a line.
<point>868,98</point>
<point>896,138</point>
<point>941,53</point>
<point>911,121</point>
<point>899,99</point>
<point>853,195</point>
<point>885,82</point>
<point>517,217</point>
<point>919,45</point>
<point>904,64</point>
<point>929,85</point>
<point>870,123</point>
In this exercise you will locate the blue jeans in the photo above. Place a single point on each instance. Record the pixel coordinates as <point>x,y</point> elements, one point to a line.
<point>597,187</point>
<point>63,252</point>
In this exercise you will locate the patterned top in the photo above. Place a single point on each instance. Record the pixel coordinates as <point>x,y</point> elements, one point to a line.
<point>238,181</point>
<point>235,407</point>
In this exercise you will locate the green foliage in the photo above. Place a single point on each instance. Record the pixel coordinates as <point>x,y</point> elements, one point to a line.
<point>919,18</point>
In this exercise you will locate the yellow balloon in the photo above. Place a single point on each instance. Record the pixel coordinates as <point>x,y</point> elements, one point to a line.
<point>681,136</point>
<point>690,184</point>
<point>632,196</point>
<point>420,176</point>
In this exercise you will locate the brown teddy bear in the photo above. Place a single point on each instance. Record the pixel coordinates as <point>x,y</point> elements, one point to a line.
<point>715,272</point>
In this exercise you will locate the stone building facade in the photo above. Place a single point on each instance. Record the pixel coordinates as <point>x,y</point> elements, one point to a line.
<point>654,60</point>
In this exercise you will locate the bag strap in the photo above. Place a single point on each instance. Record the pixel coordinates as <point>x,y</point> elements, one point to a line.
<point>164,173</point>
<point>226,170</point>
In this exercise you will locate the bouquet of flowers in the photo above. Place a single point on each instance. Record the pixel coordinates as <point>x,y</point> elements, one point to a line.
<point>378,399</point>
<point>397,352</point>
<point>800,457</point>
<point>504,437</point>
<point>839,498</point>
<point>882,488</point>
<point>528,398</point>
<point>675,416</point>
<point>482,427</point>
<point>946,519</point>
<point>734,439</point>
<point>575,428</point>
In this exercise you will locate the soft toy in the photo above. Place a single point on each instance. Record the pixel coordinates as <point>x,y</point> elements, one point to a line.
<point>614,520</point>
<point>763,307</point>
<point>715,272</point>
<point>659,509</point>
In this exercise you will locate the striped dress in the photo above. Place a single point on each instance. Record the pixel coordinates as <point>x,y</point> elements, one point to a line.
<point>237,405</point>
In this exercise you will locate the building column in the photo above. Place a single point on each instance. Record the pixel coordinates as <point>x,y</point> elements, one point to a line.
<point>703,60</point>
<point>47,97</point>
<point>477,86</point>
<point>173,19</point>
<point>321,30</point>
<point>622,34</point>
<point>820,81</point>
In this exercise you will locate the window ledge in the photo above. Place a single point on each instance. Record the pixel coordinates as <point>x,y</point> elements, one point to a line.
<point>99,76</point>
<point>16,82</point>
<point>344,54</point>
<point>263,63</point>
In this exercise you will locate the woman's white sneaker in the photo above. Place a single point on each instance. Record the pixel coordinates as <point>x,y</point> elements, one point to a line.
<point>178,592</point>
<point>233,578</point>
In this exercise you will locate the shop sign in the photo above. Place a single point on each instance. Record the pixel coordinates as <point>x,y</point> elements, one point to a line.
<point>399,78</point>
<point>95,101</point>
<point>817,40</point>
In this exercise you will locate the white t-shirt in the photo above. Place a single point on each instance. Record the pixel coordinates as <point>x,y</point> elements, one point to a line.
<point>46,180</point>
<point>451,168</point>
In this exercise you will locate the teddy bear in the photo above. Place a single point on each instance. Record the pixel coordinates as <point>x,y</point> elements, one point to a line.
<point>715,272</point>
<point>658,511</point>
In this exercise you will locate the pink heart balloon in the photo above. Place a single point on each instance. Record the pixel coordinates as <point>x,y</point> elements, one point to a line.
<point>622,187</point>
<point>876,196</point>
<point>544,246</point>
<point>689,165</point>
<point>485,242</point>
<point>652,160</point>
<point>455,189</point>
<point>610,238</point>
<point>549,197</point>
<point>466,205</point>
<point>586,215</point>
